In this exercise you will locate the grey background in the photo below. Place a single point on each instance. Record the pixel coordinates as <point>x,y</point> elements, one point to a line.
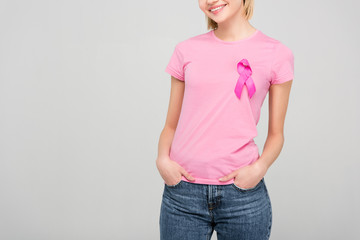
<point>83,99</point>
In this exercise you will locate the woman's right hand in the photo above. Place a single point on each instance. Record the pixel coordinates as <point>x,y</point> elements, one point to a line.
<point>171,171</point>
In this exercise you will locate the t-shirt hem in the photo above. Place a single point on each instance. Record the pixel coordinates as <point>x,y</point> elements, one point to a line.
<point>207,181</point>
<point>174,73</point>
<point>283,79</point>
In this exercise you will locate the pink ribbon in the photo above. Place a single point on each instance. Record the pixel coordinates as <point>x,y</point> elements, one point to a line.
<point>244,70</point>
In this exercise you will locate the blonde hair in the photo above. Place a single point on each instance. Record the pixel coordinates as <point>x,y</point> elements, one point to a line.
<point>248,8</point>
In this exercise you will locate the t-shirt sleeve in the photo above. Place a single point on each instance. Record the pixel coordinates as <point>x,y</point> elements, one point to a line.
<point>283,65</point>
<point>175,66</point>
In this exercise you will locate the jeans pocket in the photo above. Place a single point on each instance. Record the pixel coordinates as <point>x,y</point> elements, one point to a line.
<point>248,189</point>
<point>174,186</point>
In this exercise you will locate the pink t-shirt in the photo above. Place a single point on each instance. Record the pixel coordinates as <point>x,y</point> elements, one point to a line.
<point>215,131</point>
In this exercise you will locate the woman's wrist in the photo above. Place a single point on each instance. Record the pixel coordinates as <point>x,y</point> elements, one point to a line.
<point>261,165</point>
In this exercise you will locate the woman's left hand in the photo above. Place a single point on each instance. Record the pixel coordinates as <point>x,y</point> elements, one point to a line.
<point>248,176</point>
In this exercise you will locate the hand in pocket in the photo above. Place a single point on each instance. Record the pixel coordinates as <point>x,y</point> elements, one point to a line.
<point>171,171</point>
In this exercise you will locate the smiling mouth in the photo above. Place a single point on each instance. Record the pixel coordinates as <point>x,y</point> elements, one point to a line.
<point>218,8</point>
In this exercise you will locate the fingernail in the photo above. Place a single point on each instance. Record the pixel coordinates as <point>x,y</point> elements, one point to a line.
<point>220,179</point>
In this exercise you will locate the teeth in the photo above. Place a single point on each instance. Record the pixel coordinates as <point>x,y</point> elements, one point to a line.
<point>217,8</point>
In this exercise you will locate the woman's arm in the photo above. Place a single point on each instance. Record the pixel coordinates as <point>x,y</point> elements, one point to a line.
<point>278,103</point>
<point>172,118</point>
<point>170,170</point>
<point>250,175</point>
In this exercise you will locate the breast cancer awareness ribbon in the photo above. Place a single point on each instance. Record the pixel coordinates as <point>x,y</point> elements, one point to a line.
<point>244,70</point>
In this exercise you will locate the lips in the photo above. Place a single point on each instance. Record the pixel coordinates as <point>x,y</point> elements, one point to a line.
<point>216,6</point>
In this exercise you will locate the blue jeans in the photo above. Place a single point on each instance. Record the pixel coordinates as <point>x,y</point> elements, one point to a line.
<point>192,211</point>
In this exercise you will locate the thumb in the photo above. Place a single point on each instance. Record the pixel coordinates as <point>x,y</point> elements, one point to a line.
<point>187,175</point>
<point>228,177</point>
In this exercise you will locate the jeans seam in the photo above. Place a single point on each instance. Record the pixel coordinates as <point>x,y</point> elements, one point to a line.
<point>173,186</point>
<point>270,223</point>
<point>248,189</point>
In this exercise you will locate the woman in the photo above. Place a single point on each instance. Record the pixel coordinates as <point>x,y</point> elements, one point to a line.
<point>212,171</point>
